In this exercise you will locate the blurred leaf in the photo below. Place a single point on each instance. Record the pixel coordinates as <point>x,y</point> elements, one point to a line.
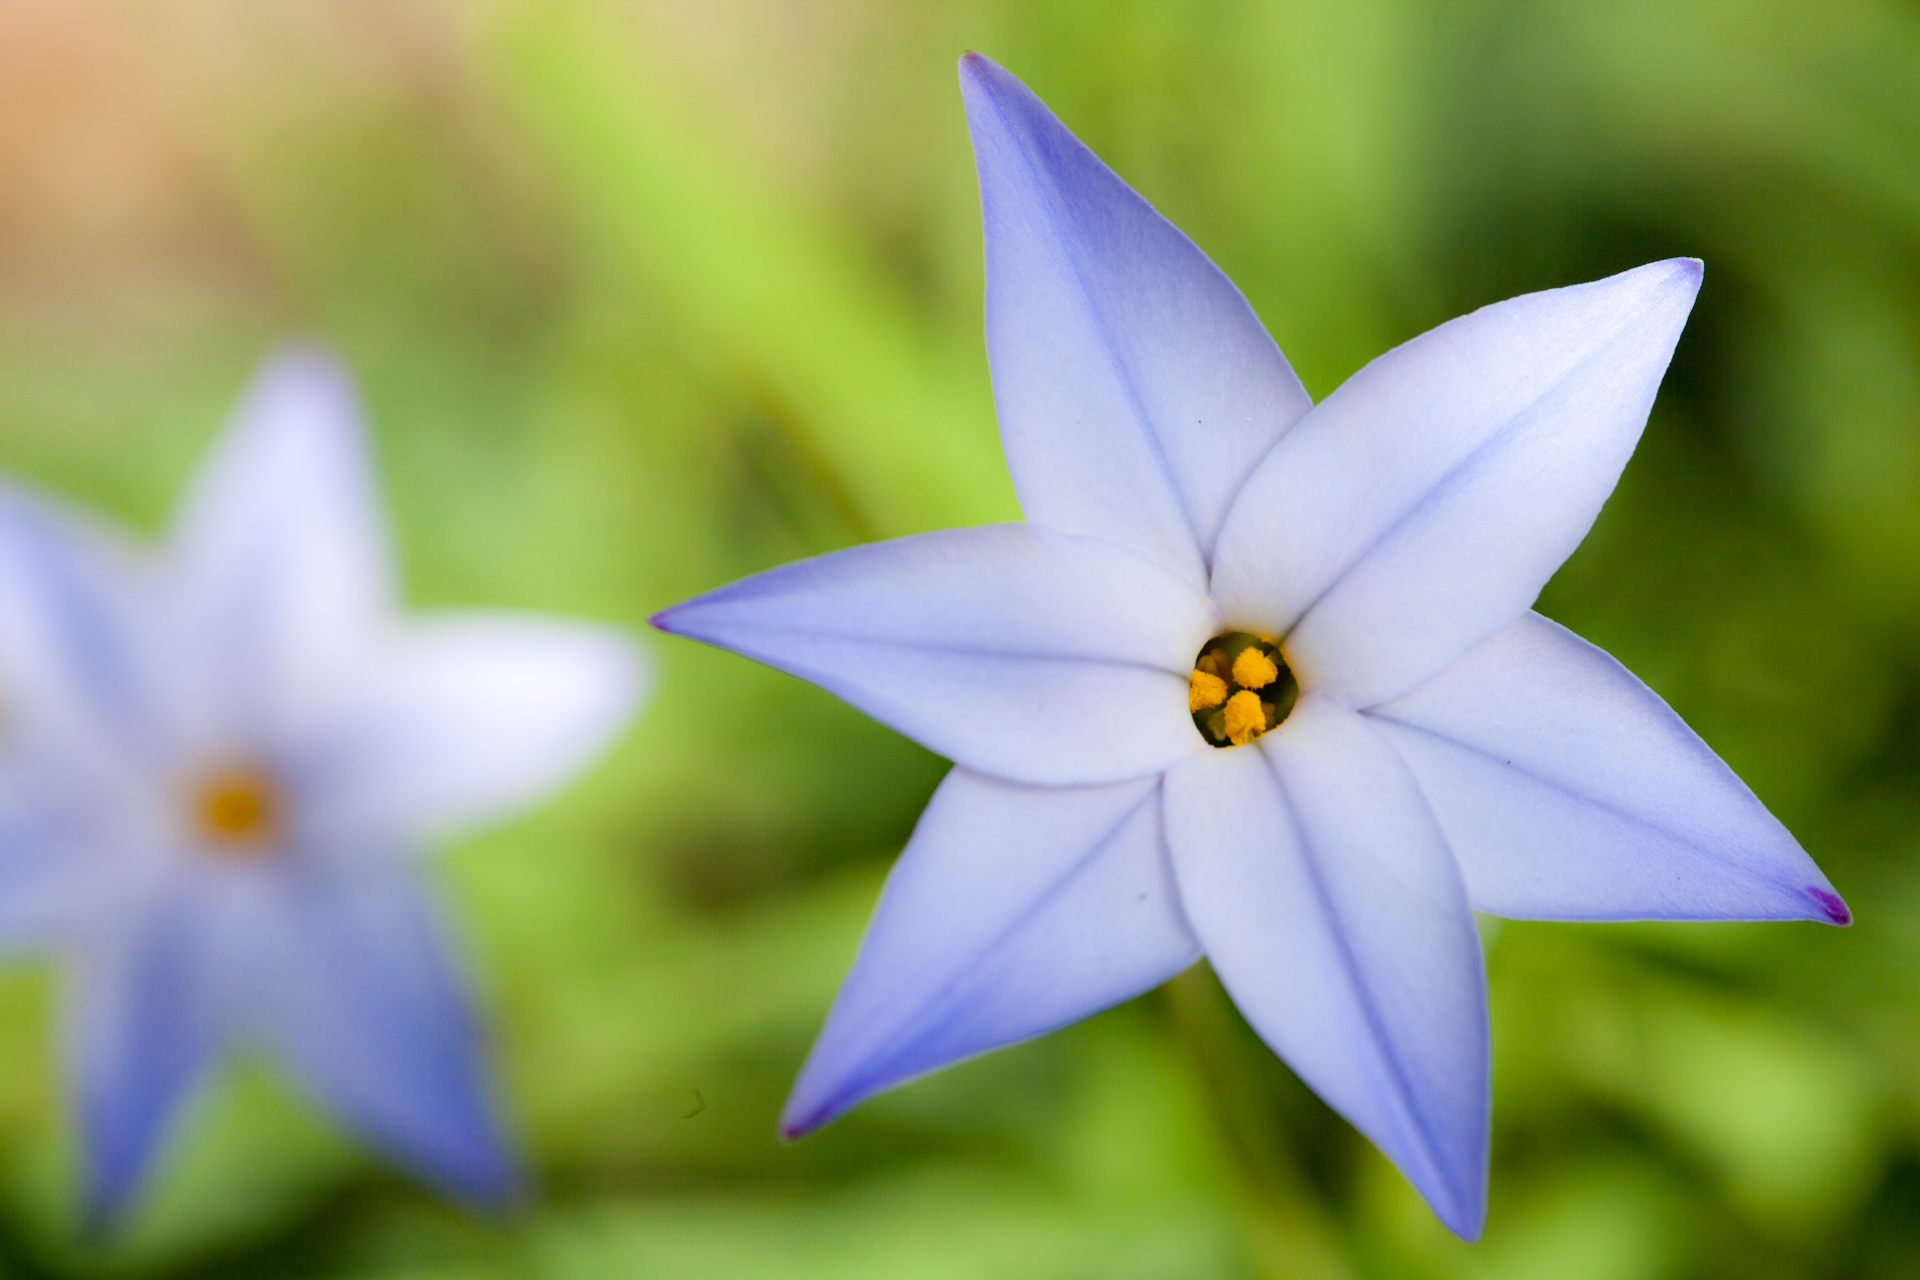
<point>776,298</point>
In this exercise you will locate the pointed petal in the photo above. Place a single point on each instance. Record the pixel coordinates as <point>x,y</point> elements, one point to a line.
<point>1012,649</point>
<point>1421,507</point>
<point>1323,892</point>
<point>1570,791</point>
<point>1014,910</point>
<point>472,717</point>
<point>31,883</point>
<point>74,607</point>
<point>1135,387</point>
<point>143,1027</point>
<point>280,550</point>
<point>371,1018</point>
<point>58,863</point>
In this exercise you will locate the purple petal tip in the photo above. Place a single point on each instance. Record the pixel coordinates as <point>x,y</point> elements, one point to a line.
<point>979,72</point>
<point>1836,910</point>
<point>797,1125</point>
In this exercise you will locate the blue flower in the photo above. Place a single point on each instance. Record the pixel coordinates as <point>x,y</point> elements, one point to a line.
<point>219,768</point>
<point>1258,679</point>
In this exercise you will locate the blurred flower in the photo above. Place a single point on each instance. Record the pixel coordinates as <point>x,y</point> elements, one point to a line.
<point>1337,597</point>
<point>221,765</point>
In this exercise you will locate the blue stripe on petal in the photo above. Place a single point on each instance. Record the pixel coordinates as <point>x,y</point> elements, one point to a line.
<point>1570,791</point>
<point>1013,910</point>
<point>1421,507</point>
<point>1013,649</point>
<point>1134,386</point>
<point>1329,904</point>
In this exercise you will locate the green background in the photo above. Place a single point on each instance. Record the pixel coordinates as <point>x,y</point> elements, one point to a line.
<point>645,297</point>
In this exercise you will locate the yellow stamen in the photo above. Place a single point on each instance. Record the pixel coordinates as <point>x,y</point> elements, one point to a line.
<point>1240,688</point>
<point>1254,669</point>
<point>1205,690</point>
<point>238,811</point>
<point>1246,718</point>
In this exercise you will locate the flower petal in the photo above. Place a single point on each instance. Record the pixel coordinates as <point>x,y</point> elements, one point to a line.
<point>1422,506</point>
<point>1014,910</point>
<point>372,1019</point>
<point>469,718</point>
<point>60,854</point>
<point>1135,387</point>
<point>75,672</point>
<point>1324,894</point>
<point>1570,791</point>
<point>281,553</point>
<point>143,1026</point>
<point>1012,649</point>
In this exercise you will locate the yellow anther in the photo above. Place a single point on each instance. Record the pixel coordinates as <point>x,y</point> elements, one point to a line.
<point>1246,718</point>
<point>1254,669</point>
<point>1214,663</point>
<point>1205,690</point>
<point>238,811</point>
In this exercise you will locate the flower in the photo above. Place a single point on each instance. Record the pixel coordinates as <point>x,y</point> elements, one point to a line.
<point>219,766</point>
<point>1377,736</point>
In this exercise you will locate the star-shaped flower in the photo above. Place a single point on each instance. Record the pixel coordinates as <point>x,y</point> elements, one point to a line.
<point>219,767</point>
<point>1258,679</point>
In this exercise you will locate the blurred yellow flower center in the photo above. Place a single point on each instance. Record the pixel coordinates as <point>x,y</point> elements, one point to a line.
<point>1240,689</point>
<point>237,812</point>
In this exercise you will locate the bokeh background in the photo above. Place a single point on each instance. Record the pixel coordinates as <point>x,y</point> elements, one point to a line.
<point>645,296</point>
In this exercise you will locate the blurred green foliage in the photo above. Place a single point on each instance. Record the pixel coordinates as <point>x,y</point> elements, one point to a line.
<point>647,297</point>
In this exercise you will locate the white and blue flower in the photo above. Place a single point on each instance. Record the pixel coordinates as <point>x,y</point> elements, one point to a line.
<point>1257,679</point>
<point>219,769</point>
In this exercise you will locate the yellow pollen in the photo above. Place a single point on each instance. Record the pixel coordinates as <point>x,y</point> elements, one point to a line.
<point>1205,690</point>
<point>1246,718</point>
<point>1254,669</point>
<point>237,810</point>
<point>1240,688</point>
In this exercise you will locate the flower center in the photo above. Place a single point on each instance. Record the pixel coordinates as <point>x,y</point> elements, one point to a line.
<point>237,811</point>
<point>1240,689</point>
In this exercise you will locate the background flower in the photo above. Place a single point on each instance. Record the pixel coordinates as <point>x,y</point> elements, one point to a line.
<point>646,296</point>
<point>222,765</point>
